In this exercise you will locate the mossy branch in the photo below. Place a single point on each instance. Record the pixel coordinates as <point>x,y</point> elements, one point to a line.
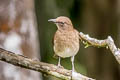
<point>108,43</point>
<point>24,62</point>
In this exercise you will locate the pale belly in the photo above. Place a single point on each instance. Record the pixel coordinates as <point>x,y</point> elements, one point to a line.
<point>67,52</point>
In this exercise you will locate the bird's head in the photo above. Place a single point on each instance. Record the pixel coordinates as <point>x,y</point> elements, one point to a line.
<point>62,22</point>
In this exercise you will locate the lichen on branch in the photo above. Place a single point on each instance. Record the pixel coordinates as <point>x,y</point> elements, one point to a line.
<point>108,43</point>
<point>24,62</point>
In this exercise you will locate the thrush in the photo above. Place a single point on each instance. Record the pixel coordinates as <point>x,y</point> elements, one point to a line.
<point>66,39</point>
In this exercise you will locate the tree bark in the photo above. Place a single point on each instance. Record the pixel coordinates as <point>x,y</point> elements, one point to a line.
<point>45,68</point>
<point>18,34</point>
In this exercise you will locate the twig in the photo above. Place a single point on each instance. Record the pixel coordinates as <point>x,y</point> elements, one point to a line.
<point>108,43</point>
<point>24,62</point>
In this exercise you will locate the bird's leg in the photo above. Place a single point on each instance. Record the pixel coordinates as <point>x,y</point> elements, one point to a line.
<point>73,68</point>
<point>59,65</point>
<point>72,60</point>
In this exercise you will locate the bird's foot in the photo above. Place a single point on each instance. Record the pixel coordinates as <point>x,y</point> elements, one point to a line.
<point>72,73</point>
<point>60,66</point>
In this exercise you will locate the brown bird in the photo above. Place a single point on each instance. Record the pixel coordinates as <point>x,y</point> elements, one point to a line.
<point>66,39</point>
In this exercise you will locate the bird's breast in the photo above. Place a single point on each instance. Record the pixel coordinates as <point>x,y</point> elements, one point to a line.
<point>66,44</point>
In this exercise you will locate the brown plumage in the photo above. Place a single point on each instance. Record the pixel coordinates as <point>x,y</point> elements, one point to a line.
<point>66,39</point>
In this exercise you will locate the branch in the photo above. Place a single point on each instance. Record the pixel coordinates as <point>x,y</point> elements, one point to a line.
<point>108,43</point>
<point>24,62</point>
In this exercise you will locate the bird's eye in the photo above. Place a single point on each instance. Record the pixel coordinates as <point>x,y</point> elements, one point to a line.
<point>62,23</point>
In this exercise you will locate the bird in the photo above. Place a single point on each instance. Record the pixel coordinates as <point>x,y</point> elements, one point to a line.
<point>66,39</point>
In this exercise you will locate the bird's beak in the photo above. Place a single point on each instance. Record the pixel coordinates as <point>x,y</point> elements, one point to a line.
<point>52,20</point>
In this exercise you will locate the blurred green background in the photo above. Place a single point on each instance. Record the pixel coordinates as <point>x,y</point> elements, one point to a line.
<point>98,18</point>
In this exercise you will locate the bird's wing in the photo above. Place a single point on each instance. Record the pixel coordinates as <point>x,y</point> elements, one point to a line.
<point>53,40</point>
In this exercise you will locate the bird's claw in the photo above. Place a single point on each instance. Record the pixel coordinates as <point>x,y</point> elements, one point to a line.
<point>59,66</point>
<point>72,73</point>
